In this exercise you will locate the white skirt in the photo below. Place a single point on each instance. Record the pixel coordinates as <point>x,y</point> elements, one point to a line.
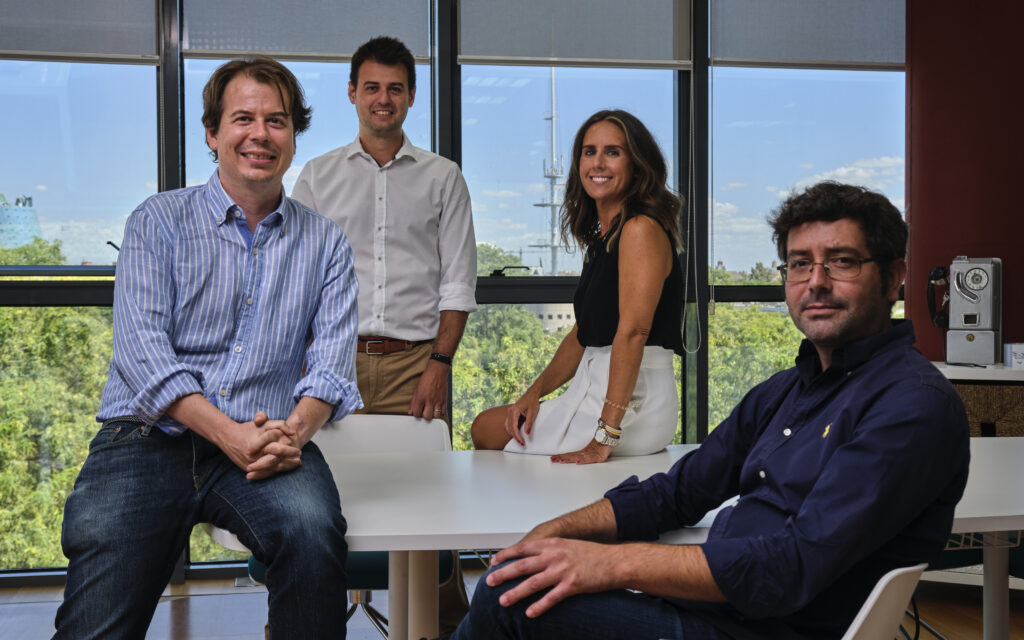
<point>567,423</point>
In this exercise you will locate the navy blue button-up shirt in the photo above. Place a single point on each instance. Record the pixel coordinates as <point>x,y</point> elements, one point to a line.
<point>842,475</point>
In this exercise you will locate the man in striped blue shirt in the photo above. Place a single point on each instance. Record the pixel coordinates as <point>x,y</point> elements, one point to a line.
<point>234,341</point>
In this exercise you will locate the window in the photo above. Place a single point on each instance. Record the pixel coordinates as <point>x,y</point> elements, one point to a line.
<point>515,176</point>
<point>63,124</point>
<point>779,130</point>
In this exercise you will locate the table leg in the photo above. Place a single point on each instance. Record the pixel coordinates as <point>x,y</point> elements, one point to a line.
<point>398,595</point>
<point>422,594</point>
<point>996,597</point>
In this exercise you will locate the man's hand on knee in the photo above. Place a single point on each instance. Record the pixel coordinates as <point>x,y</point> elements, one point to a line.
<point>567,567</point>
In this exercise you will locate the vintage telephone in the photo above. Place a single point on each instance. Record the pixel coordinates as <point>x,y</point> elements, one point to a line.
<point>974,320</point>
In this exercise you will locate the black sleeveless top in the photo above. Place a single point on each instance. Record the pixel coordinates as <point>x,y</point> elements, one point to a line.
<point>596,301</point>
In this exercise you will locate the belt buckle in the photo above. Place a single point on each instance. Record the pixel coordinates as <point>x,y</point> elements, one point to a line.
<point>366,349</point>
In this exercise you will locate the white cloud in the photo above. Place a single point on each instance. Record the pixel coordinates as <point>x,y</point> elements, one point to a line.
<point>152,185</point>
<point>733,186</point>
<point>536,187</point>
<point>42,187</point>
<point>807,165</point>
<point>501,193</point>
<point>873,173</point>
<point>478,207</point>
<point>503,205</point>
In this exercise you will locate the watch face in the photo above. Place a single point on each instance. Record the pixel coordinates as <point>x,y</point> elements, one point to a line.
<point>976,279</point>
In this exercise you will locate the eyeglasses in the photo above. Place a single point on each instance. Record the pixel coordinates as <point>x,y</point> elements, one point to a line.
<point>836,268</point>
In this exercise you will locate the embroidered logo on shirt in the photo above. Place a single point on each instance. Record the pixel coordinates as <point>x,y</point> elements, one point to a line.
<point>825,433</point>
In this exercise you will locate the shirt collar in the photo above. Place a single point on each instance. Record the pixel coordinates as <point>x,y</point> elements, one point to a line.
<point>407,150</point>
<point>850,356</point>
<point>223,206</point>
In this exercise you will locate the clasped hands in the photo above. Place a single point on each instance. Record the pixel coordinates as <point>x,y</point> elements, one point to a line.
<point>263,447</point>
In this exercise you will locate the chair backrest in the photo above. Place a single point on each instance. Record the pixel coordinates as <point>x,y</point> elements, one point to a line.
<point>365,433</point>
<point>882,612</point>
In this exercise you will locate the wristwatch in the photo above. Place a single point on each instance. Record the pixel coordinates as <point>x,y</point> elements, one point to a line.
<point>605,437</point>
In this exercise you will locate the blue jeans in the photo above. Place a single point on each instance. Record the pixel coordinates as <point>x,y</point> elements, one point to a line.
<point>132,510</point>
<point>607,615</point>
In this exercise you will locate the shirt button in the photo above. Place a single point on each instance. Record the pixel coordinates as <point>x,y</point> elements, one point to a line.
<point>787,432</point>
<point>238,348</point>
<point>380,286</point>
<point>248,300</point>
<point>380,198</point>
<point>238,214</point>
<point>762,474</point>
<point>379,258</point>
<point>254,251</point>
<point>735,504</point>
<point>380,228</point>
<point>223,392</point>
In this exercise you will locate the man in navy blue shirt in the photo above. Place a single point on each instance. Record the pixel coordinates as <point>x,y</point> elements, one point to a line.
<point>840,469</point>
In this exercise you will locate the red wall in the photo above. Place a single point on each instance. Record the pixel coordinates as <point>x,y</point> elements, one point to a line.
<point>965,173</point>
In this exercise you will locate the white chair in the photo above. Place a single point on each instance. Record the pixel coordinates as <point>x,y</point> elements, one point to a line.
<point>879,617</point>
<point>363,433</point>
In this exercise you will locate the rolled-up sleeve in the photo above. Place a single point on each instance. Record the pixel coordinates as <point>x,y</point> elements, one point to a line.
<point>457,247</point>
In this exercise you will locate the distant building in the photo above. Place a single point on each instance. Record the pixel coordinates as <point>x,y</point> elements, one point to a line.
<point>554,315</point>
<point>19,224</point>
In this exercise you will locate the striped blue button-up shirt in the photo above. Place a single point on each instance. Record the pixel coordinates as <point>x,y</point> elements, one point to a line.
<point>203,306</point>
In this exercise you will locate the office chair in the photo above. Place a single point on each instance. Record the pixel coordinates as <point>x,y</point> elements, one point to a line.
<point>880,615</point>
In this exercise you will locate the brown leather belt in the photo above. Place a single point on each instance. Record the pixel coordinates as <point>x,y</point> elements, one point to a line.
<point>380,346</point>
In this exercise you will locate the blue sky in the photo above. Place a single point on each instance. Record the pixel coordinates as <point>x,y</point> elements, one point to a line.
<point>81,140</point>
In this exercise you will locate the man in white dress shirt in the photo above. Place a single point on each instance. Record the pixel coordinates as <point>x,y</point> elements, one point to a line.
<point>407,215</point>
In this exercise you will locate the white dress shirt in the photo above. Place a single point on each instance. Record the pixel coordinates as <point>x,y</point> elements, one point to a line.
<point>411,226</point>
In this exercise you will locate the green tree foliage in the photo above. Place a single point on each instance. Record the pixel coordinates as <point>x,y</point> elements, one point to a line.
<point>748,343</point>
<point>54,363</point>
<point>490,258</point>
<point>503,350</point>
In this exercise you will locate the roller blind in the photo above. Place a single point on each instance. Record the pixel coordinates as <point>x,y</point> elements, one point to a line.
<point>86,27</point>
<point>851,34</point>
<point>326,27</point>
<point>600,32</point>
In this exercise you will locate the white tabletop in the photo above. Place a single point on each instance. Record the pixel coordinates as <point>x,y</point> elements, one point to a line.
<point>490,499</point>
<point>994,497</point>
<point>990,373</point>
<point>469,499</point>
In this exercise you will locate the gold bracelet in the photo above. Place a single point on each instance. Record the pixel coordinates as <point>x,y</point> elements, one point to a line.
<point>615,432</point>
<point>618,406</point>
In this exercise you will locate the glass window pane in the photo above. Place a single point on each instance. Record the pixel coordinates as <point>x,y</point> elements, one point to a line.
<point>776,130</point>
<point>325,26</point>
<point>333,123</point>
<point>119,27</point>
<point>54,367</point>
<point>80,153</point>
<point>747,343</point>
<point>514,174</point>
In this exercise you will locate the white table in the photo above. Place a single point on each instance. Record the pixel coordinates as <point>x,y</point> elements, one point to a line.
<point>414,504</point>
<point>422,502</point>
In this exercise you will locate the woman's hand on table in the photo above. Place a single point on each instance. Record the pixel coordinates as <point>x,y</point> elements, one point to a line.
<point>521,416</point>
<point>589,454</point>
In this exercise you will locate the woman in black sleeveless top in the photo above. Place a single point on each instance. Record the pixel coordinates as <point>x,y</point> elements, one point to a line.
<point>628,306</point>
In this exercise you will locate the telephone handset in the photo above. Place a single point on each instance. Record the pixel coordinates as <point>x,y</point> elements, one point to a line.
<point>938,277</point>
